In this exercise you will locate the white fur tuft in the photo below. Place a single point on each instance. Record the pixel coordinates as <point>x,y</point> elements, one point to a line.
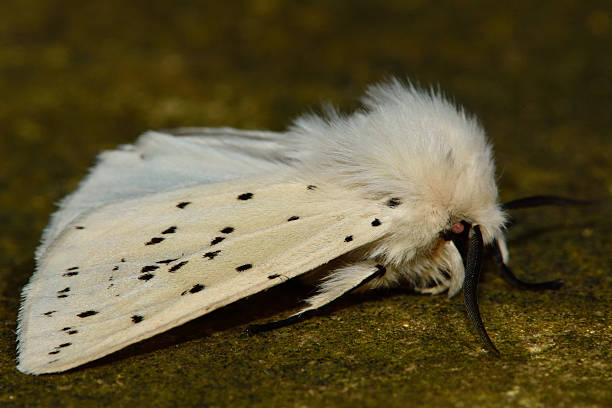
<point>413,145</point>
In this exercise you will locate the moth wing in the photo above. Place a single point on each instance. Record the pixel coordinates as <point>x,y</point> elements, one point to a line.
<point>160,161</point>
<point>135,268</point>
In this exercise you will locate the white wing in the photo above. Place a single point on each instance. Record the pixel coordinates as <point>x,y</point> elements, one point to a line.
<point>160,162</point>
<point>138,267</point>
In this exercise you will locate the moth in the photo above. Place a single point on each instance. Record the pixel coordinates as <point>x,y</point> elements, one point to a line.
<point>186,221</point>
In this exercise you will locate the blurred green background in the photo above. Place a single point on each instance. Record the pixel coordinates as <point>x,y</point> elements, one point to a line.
<point>78,77</point>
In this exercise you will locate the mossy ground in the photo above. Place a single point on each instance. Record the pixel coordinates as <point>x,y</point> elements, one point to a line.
<point>78,77</point>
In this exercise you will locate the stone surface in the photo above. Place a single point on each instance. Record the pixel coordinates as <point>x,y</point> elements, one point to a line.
<point>79,77</point>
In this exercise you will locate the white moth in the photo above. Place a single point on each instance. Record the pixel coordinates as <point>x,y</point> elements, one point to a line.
<point>184,222</point>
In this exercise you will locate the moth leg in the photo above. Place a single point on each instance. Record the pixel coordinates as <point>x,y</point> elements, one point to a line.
<point>435,288</point>
<point>500,251</point>
<point>340,283</point>
<point>510,277</point>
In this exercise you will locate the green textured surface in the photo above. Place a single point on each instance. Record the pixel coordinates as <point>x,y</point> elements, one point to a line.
<point>78,77</point>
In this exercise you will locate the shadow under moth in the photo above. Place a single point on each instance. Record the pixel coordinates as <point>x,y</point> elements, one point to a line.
<point>186,221</point>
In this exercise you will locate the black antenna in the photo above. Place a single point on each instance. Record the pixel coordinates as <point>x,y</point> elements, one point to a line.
<point>541,200</point>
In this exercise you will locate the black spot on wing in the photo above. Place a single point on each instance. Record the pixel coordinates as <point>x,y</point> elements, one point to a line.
<point>87,313</point>
<point>245,196</point>
<point>170,230</point>
<point>79,227</point>
<point>137,318</point>
<point>146,276</point>
<point>122,259</point>
<point>177,266</point>
<point>227,230</point>
<point>73,273</point>
<point>65,290</point>
<point>393,202</point>
<point>62,296</point>
<point>183,204</point>
<point>149,268</point>
<point>73,332</point>
<point>348,238</point>
<point>195,289</point>
<point>211,255</point>
<point>64,345</point>
<point>244,267</point>
<point>115,268</point>
<point>54,352</point>
<point>273,276</point>
<point>167,261</point>
<point>73,268</point>
<point>50,312</point>
<point>216,240</point>
<point>293,218</point>
<point>311,187</point>
<point>155,240</point>
<point>376,222</point>
<point>66,328</point>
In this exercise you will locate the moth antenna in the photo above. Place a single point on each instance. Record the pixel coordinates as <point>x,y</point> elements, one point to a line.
<point>511,278</point>
<point>541,200</point>
<point>470,287</point>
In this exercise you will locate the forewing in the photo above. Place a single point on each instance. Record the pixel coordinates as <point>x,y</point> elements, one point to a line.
<point>159,161</point>
<point>136,268</point>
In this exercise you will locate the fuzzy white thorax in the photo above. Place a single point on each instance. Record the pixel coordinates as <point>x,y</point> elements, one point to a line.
<point>420,148</point>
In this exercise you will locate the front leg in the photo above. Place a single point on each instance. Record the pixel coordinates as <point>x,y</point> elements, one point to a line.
<point>500,255</point>
<point>338,284</point>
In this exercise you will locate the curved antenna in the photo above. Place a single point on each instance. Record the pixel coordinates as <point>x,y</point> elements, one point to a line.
<point>541,200</point>
<point>470,287</point>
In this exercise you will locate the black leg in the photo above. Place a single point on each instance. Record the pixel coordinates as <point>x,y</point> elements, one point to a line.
<point>305,314</point>
<point>296,318</point>
<point>511,278</point>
